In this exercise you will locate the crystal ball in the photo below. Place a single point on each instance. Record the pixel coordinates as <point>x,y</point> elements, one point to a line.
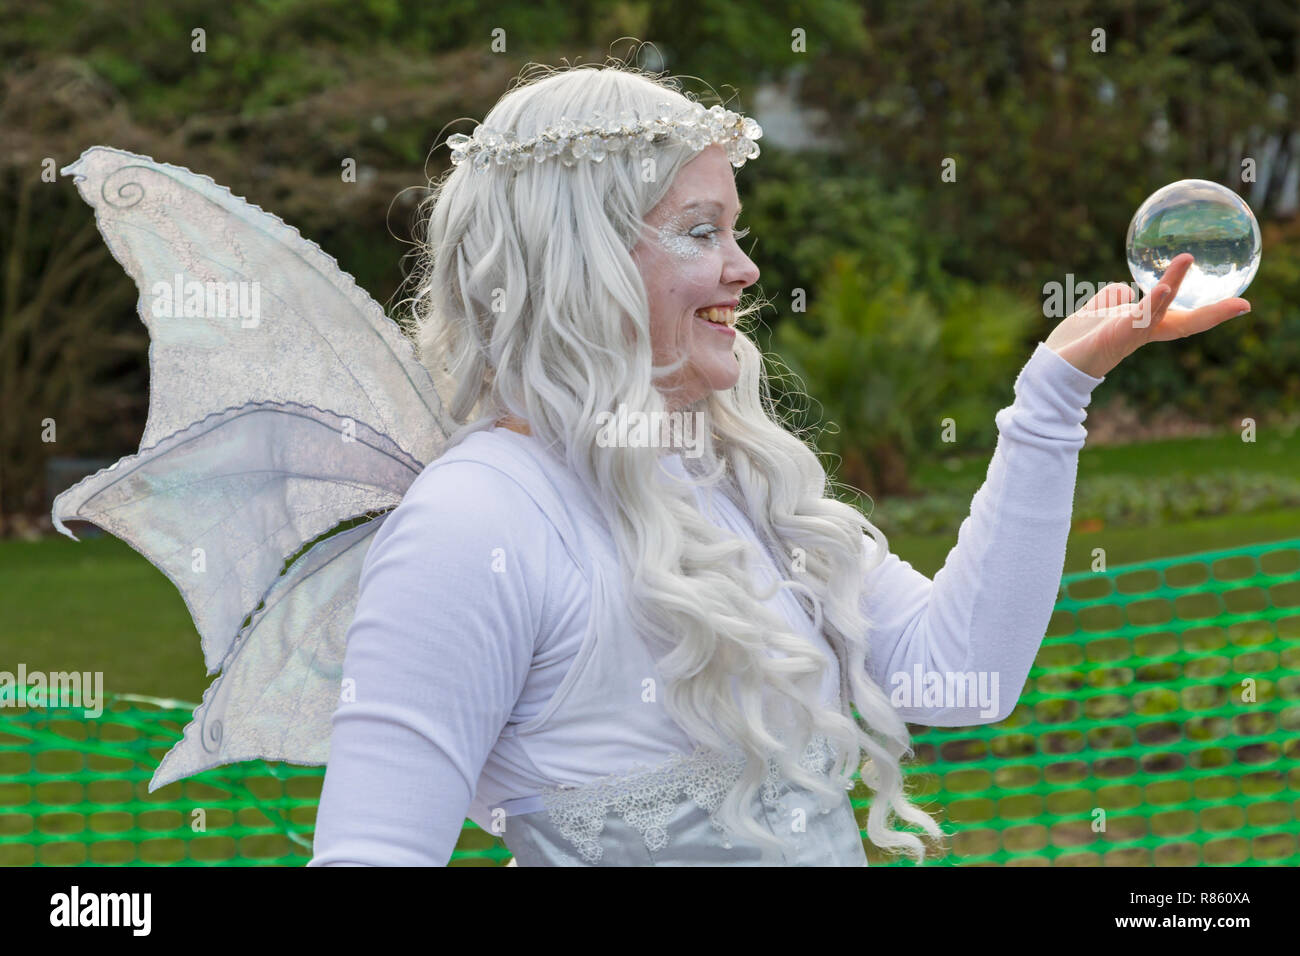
<point>1211,222</point>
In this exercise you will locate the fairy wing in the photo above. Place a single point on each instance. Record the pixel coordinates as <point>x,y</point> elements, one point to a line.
<point>276,696</point>
<point>221,504</point>
<point>283,401</point>
<point>317,338</point>
<point>242,309</point>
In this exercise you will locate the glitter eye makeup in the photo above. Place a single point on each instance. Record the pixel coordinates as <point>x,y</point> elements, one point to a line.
<point>677,242</point>
<point>712,231</point>
<point>682,240</point>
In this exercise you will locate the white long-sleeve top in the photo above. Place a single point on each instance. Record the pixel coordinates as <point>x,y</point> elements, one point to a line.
<point>446,652</point>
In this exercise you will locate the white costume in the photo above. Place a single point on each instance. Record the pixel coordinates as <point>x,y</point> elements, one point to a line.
<point>483,688</point>
<point>488,668</point>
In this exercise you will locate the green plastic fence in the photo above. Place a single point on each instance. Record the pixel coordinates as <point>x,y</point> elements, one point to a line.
<point>1160,725</point>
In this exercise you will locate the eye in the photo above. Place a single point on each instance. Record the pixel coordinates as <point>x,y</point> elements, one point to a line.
<point>711,229</point>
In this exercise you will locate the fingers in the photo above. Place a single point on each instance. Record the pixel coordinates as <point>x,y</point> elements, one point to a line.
<point>1155,305</point>
<point>1180,323</point>
<point>1142,313</point>
<point>1148,312</point>
<point>1176,323</point>
<point>1176,272</point>
<point>1117,293</point>
<point>1152,309</point>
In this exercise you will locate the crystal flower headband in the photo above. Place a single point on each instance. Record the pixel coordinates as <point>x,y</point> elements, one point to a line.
<point>694,125</point>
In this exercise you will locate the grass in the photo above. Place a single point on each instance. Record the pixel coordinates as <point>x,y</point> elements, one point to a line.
<point>97,605</point>
<point>927,553</point>
<point>1272,454</point>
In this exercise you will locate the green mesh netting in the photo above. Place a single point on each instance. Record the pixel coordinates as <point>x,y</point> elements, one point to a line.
<point>1160,725</point>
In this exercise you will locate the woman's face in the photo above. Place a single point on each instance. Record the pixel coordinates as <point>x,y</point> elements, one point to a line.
<point>689,259</point>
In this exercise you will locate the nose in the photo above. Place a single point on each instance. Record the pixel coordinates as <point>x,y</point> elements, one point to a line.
<point>739,268</point>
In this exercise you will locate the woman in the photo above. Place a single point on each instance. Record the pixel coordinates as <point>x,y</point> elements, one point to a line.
<point>643,651</point>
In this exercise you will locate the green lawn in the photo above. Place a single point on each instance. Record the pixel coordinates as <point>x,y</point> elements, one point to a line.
<point>927,553</point>
<point>1276,453</point>
<point>96,605</point>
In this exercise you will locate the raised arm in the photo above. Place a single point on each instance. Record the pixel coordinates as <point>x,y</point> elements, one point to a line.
<point>984,615</point>
<point>437,654</point>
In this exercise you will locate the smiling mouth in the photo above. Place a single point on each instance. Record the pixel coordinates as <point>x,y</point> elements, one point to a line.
<point>718,316</point>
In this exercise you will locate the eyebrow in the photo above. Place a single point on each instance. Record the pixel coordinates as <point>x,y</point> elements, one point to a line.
<point>697,203</point>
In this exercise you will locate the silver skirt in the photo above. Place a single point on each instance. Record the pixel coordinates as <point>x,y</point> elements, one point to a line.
<point>688,837</point>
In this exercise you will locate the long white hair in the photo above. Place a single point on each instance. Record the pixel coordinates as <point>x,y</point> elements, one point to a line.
<point>528,302</point>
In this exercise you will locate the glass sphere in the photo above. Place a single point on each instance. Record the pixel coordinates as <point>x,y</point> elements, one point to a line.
<point>1211,222</point>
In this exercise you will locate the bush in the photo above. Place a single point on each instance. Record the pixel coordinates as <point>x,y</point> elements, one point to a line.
<point>891,362</point>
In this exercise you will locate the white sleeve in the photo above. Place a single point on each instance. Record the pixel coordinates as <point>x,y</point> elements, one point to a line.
<point>985,613</point>
<point>449,606</point>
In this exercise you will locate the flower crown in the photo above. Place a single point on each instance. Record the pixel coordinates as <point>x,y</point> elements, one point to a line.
<point>694,125</point>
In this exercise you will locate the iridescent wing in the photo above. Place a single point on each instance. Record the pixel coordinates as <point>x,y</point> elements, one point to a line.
<point>219,506</point>
<point>317,338</point>
<point>276,696</point>
<point>283,402</point>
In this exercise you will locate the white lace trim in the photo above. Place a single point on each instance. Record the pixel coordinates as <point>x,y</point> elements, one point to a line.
<point>646,799</point>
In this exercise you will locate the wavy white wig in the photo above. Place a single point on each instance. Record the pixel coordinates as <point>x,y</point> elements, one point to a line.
<point>528,302</point>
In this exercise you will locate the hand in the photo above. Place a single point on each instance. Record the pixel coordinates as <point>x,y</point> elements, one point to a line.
<point>1110,327</point>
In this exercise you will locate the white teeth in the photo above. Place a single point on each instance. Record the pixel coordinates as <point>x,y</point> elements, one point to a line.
<point>719,316</point>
